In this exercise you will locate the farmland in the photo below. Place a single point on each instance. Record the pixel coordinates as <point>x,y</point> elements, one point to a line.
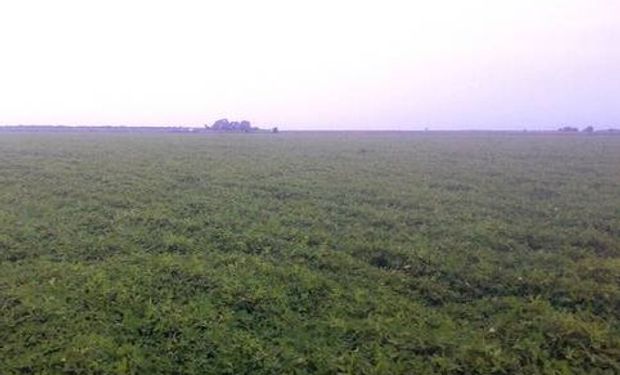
<point>447,253</point>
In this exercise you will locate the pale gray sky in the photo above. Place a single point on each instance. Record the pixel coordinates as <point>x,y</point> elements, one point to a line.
<point>321,64</point>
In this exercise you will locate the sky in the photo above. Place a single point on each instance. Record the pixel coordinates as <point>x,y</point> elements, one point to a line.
<point>320,64</point>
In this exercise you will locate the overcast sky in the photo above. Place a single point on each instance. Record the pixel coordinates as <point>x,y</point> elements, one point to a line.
<point>320,64</point>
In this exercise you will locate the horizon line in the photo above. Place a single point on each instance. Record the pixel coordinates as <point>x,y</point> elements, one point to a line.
<point>281,129</point>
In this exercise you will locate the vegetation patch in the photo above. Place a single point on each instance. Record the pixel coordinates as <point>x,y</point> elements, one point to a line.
<point>376,253</point>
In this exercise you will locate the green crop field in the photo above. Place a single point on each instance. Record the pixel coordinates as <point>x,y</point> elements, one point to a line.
<point>361,253</point>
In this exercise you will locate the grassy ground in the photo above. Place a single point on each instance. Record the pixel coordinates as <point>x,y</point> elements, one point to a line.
<point>309,253</point>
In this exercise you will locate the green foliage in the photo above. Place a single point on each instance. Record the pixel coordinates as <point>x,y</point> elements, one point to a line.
<point>309,253</point>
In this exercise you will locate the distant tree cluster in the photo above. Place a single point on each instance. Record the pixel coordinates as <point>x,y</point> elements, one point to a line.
<point>235,126</point>
<point>570,129</point>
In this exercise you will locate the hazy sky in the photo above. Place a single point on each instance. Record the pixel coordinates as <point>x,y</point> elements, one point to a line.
<point>320,64</point>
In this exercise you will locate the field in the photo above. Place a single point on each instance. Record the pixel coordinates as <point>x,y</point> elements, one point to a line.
<point>374,253</point>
